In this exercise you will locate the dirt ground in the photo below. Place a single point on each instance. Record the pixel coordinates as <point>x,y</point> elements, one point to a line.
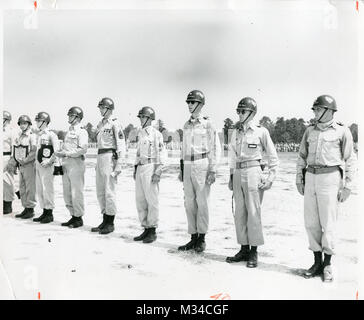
<point>54,262</point>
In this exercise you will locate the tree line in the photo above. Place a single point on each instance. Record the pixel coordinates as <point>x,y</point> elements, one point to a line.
<point>286,131</point>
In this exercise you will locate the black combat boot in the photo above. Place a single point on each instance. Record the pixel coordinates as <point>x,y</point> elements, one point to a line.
<point>67,224</point>
<point>200,243</point>
<point>190,245</point>
<point>98,228</point>
<point>151,236</point>
<point>28,214</point>
<point>253,258</point>
<point>242,255</point>
<point>76,223</point>
<point>141,236</point>
<point>41,216</point>
<point>7,207</point>
<point>21,214</point>
<point>48,217</point>
<point>327,270</point>
<point>109,225</point>
<point>316,268</point>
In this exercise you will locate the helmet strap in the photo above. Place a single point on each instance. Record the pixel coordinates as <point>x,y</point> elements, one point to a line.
<point>198,105</point>
<point>247,117</point>
<point>4,122</point>
<point>319,120</point>
<point>145,123</point>
<point>74,119</point>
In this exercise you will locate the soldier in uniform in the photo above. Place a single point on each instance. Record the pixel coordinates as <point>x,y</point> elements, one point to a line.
<point>72,154</point>
<point>110,157</point>
<point>25,146</point>
<point>200,153</point>
<point>147,173</point>
<point>47,143</point>
<point>325,171</point>
<point>248,143</point>
<point>9,166</point>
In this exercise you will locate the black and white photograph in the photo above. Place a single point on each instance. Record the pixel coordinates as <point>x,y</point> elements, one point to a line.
<point>181,150</point>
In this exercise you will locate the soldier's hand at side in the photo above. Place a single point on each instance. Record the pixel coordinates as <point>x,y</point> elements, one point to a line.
<point>300,188</point>
<point>210,179</point>
<point>343,194</point>
<point>45,163</point>
<point>265,185</point>
<point>180,178</point>
<point>60,154</point>
<point>231,184</point>
<point>155,178</point>
<point>21,162</point>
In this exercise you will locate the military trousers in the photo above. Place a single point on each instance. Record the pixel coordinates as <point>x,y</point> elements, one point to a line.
<point>105,183</point>
<point>146,196</point>
<point>248,198</point>
<point>321,209</point>
<point>196,195</point>
<point>73,181</point>
<point>8,182</point>
<point>45,186</point>
<point>27,184</point>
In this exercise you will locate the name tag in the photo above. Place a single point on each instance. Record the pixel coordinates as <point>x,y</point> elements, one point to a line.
<point>252,145</point>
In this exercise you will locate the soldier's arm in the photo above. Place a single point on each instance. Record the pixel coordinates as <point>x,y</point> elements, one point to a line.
<point>33,149</point>
<point>81,148</point>
<point>271,152</point>
<point>232,152</point>
<point>55,144</point>
<point>215,148</point>
<point>120,142</point>
<point>347,149</point>
<point>160,150</point>
<point>302,158</point>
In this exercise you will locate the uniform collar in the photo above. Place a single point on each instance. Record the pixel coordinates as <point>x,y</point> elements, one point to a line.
<point>45,130</point>
<point>324,126</point>
<point>249,125</point>
<point>26,133</point>
<point>75,127</point>
<point>198,119</point>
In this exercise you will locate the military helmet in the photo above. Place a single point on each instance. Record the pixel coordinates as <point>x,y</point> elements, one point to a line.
<point>247,103</point>
<point>325,101</point>
<point>146,112</point>
<point>75,111</point>
<point>196,95</point>
<point>6,115</point>
<point>43,116</point>
<point>107,103</point>
<point>24,118</point>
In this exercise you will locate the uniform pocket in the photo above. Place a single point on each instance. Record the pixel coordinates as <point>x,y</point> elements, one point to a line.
<point>312,144</point>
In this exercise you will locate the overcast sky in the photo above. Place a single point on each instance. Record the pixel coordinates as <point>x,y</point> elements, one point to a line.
<point>283,54</point>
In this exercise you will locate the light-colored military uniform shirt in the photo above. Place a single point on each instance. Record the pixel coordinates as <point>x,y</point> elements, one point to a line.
<point>47,137</point>
<point>75,142</point>
<point>199,137</point>
<point>250,143</point>
<point>8,135</point>
<point>150,148</point>
<point>332,146</point>
<point>27,139</point>
<point>110,135</point>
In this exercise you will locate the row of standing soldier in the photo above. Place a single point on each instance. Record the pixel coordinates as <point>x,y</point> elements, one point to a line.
<point>325,170</point>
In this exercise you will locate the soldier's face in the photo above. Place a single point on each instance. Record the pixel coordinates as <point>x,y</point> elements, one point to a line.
<point>103,111</point>
<point>72,119</point>
<point>192,106</point>
<point>319,111</point>
<point>23,126</point>
<point>40,124</point>
<point>243,114</point>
